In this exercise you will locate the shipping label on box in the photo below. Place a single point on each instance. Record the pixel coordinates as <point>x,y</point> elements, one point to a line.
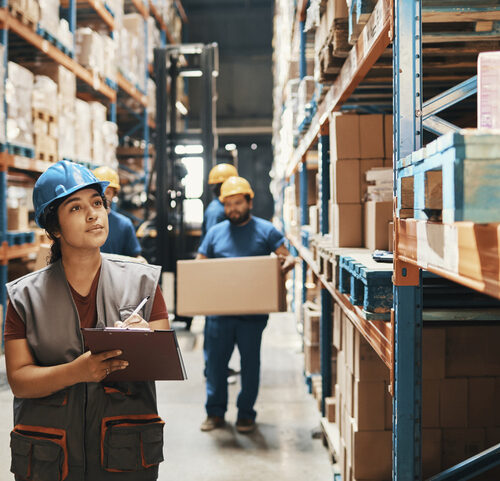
<point>230,286</point>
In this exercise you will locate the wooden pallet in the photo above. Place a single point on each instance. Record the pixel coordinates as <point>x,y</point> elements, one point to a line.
<point>455,178</point>
<point>46,156</point>
<point>44,115</point>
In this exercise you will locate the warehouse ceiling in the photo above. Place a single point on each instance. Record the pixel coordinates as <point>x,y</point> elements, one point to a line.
<point>243,29</point>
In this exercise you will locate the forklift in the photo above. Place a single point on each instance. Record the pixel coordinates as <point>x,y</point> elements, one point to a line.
<point>168,240</point>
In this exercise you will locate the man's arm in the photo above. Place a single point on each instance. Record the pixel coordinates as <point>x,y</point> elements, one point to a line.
<point>200,256</point>
<point>286,259</point>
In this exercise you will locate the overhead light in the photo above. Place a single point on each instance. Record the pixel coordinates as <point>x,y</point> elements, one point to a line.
<point>181,108</point>
<point>253,146</point>
<point>230,147</point>
<point>188,149</point>
<point>190,73</point>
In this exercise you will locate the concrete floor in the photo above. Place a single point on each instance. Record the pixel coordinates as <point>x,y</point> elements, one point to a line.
<point>281,448</point>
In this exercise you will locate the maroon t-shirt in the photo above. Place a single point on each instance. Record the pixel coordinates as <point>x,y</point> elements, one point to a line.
<point>87,310</point>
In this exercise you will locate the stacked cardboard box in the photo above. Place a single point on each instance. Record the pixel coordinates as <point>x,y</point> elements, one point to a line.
<point>45,123</point>
<point>83,131</point>
<point>312,314</point>
<point>132,59</point>
<point>18,92</point>
<point>357,144</point>
<point>460,395</point>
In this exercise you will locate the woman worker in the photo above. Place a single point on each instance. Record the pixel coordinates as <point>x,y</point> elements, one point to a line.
<point>70,424</point>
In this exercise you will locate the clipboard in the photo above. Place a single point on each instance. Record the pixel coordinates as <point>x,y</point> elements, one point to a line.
<point>152,355</point>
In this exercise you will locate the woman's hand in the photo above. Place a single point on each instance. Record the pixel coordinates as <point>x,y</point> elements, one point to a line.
<point>96,367</point>
<point>133,322</point>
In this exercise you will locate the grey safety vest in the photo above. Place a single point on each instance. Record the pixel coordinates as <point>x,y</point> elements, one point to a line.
<point>89,431</point>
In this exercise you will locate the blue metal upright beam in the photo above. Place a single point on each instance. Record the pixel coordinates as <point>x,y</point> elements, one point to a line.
<point>302,57</point>
<point>324,175</point>
<point>407,368</point>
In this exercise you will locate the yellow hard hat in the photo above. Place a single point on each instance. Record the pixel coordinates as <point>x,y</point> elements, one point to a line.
<point>108,174</point>
<point>235,185</point>
<point>221,172</point>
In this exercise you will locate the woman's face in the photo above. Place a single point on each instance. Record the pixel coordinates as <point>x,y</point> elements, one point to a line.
<point>83,220</point>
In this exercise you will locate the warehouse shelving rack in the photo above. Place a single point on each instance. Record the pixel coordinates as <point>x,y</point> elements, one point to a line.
<point>96,88</point>
<point>398,343</point>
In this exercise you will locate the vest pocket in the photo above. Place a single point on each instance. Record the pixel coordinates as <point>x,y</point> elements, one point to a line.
<point>39,453</point>
<point>131,443</point>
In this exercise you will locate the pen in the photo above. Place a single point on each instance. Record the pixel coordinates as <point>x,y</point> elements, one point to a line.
<point>138,308</point>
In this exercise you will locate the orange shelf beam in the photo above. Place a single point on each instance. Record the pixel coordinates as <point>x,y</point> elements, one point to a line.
<point>131,90</point>
<point>181,11</point>
<point>11,23</point>
<point>141,8</point>
<point>163,25</point>
<point>14,252</point>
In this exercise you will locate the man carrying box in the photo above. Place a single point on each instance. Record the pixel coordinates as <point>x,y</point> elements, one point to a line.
<point>241,235</point>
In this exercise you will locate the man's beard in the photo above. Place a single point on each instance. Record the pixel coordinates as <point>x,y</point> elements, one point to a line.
<point>240,220</point>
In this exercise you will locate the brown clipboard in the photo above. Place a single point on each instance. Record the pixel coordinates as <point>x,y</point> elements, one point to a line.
<point>152,355</point>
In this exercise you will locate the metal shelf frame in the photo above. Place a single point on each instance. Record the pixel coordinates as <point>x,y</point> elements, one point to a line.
<point>399,343</point>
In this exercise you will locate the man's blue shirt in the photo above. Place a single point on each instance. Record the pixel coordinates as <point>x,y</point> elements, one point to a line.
<point>214,213</point>
<point>121,238</point>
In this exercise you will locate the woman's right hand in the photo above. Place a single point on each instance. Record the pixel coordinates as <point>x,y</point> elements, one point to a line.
<point>96,367</point>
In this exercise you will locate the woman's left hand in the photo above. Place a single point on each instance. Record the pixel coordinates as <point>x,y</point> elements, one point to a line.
<point>133,322</point>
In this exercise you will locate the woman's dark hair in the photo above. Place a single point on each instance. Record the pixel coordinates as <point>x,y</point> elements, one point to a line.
<point>52,227</point>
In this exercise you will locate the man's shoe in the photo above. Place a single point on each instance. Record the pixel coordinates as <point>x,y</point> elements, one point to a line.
<point>245,426</point>
<point>232,376</point>
<point>211,423</point>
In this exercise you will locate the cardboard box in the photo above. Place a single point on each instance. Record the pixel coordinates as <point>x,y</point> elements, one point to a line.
<point>390,237</point>
<point>388,140</point>
<point>430,403</point>
<point>348,394</point>
<point>330,409</point>
<point>461,444</point>
<point>367,364</point>
<point>364,166</point>
<point>337,326</point>
<point>481,402</point>
<point>344,182</point>
<point>431,452</point>
<point>377,217</point>
<point>344,136</point>
<point>369,405</point>
<point>453,403</point>
<point>488,90</point>
<point>371,133</point>
<point>472,351</point>
<point>230,286</point>
<point>311,358</point>
<point>311,325</point>
<point>372,455</point>
<point>42,256</point>
<point>17,218</point>
<point>433,352</point>
<point>346,225</point>
<point>349,343</point>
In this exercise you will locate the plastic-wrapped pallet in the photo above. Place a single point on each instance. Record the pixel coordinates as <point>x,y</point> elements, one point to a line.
<point>134,24</point>
<point>45,125</point>
<point>49,16</point>
<point>18,90</point>
<point>83,131</point>
<point>64,34</point>
<point>44,92</point>
<point>110,58</point>
<point>110,143</point>
<point>67,132</point>
<point>97,120</point>
<point>90,50</point>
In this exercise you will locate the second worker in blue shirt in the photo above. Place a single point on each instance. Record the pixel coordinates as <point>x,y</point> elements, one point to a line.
<point>241,235</point>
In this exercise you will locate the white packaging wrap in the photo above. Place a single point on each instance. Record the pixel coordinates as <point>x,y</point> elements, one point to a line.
<point>83,132</point>
<point>18,93</point>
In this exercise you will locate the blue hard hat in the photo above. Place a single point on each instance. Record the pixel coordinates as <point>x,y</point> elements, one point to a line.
<point>60,180</point>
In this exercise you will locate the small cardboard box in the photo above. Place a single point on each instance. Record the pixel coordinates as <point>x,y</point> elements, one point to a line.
<point>377,217</point>
<point>344,136</point>
<point>388,134</point>
<point>453,403</point>
<point>372,454</point>
<point>330,409</point>
<point>369,405</point>
<point>346,225</point>
<point>17,218</point>
<point>311,358</point>
<point>371,134</point>
<point>230,286</point>
<point>367,364</point>
<point>344,182</point>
